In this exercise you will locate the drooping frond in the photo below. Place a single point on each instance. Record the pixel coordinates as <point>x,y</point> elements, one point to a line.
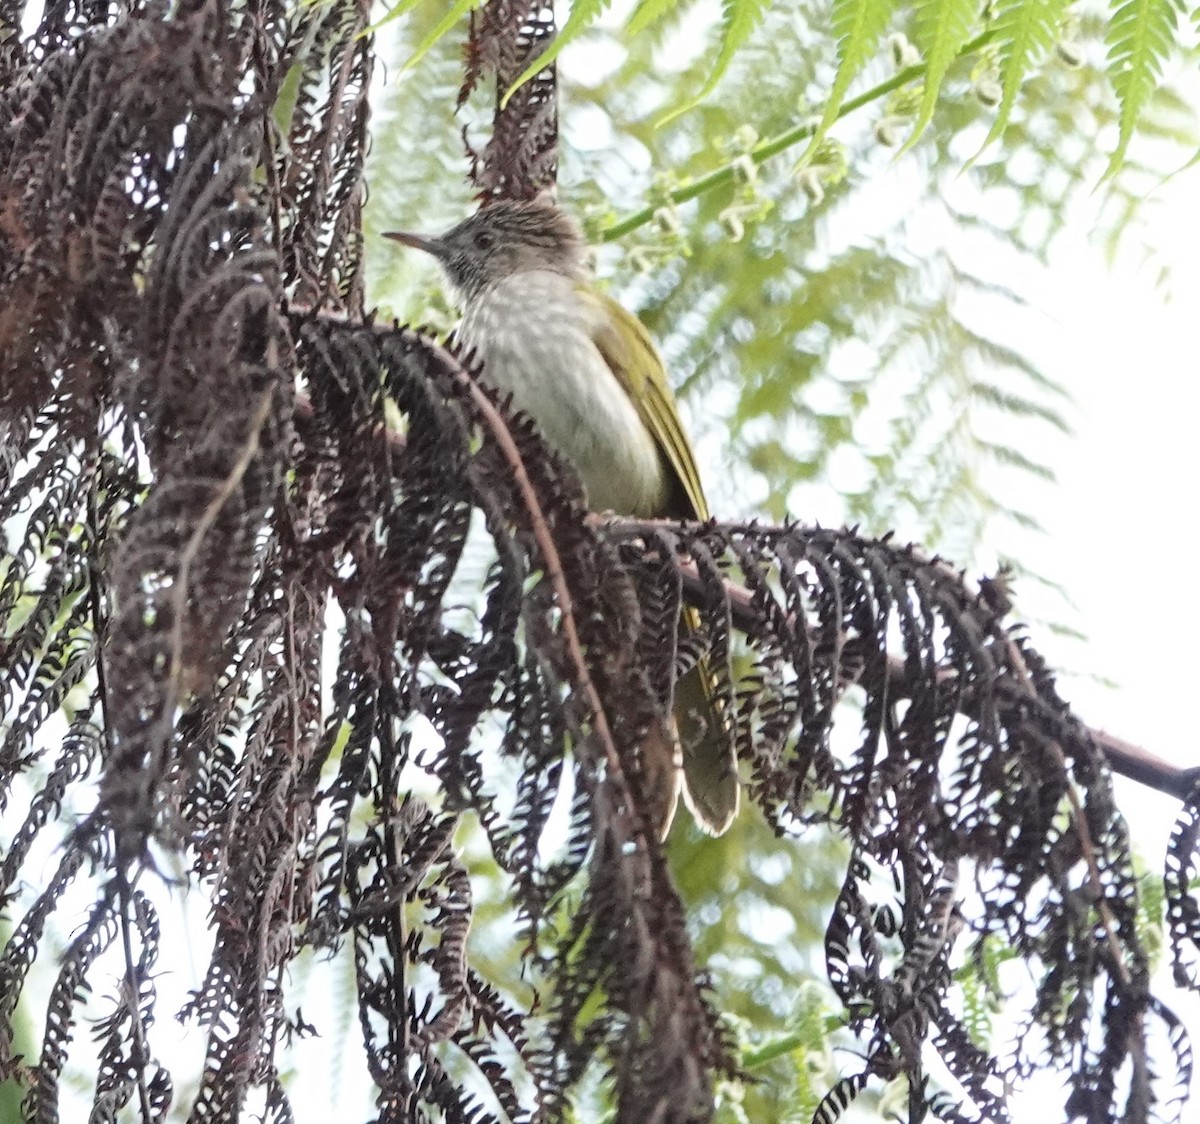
<point>1140,35</point>
<point>941,29</point>
<point>858,24</point>
<point>1025,31</point>
<point>738,19</point>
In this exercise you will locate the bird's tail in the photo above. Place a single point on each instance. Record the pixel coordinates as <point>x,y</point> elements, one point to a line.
<point>710,777</point>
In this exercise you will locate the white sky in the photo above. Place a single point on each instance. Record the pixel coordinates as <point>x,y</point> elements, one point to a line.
<point>1121,520</point>
<point>1120,539</point>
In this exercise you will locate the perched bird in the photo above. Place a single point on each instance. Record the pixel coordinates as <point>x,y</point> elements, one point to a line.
<point>586,370</point>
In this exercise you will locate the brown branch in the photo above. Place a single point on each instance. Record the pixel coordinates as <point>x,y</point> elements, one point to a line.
<point>1124,757</point>
<point>498,427</point>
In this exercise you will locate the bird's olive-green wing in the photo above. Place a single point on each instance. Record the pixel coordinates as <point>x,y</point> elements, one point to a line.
<point>631,355</point>
<point>709,761</point>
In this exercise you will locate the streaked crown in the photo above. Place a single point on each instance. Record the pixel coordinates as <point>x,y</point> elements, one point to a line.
<point>510,236</point>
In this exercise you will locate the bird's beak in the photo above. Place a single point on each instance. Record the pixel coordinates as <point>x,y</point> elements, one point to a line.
<point>417,241</point>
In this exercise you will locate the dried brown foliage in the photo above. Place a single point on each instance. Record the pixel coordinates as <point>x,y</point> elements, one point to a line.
<point>179,519</point>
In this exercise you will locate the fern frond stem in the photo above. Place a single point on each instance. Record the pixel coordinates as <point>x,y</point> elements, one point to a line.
<point>773,146</point>
<point>99,620</point>
<point>128,911</point>
<point>191,549</point>
<point>1124,757</point>
<point>123,879</point>
<point>1083,835</point>
<point>397,931</point>
<point>550,556</point>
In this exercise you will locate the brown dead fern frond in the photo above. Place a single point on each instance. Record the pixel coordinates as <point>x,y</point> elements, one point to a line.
<point>238,617</point>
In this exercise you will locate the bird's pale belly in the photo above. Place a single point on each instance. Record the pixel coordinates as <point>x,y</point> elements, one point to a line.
<point>535,341</point>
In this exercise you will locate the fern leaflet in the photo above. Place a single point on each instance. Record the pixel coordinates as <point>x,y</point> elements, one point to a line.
<point>1026,30</point>
<point>1139,37</point>
<point>942,29</point>
<point>739,19</point>
<point>858,25</point>
<point>648,13</point>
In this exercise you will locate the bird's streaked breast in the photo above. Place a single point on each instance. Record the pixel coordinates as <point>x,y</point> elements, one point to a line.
<point>534,335</point>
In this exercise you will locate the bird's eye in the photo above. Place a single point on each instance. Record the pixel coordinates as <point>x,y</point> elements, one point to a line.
<point>484,240</point>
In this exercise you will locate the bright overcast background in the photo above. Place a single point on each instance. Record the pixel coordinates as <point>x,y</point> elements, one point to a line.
<point>1119,539</point>
<point>1120,521</point>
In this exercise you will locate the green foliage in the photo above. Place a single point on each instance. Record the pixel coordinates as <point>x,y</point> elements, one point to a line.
<point>648,13</point>
<point>762,940</point>
<point>942,28</point>
<point>740,18</point>
<point>1140,35</point>
<point>858,24</point>
<point>982,993</point>
<point>418,180</point>
<point>1025,32</point>
<point>1150,915</point>
<point>788,1071</point>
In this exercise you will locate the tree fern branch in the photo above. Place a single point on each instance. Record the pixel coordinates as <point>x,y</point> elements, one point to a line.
<point>773,146</point>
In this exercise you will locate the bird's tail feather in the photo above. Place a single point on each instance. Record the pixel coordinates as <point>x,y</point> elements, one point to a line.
<point>710,777</point>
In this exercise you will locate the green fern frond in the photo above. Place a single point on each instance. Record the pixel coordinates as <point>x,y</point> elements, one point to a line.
<point>998,355</point>
<point>1140,35</point>
<point>453,14</point>
<point>858,24</point>
<point>941,31</point>
<point>583,14</point>
<point>456,11</point>
<point>648,13</point>
<point>739,19</point>
<point>1018,405</point>
<point>1151,900</point>
<point>977,1015</point>
<point>1026,30</point>
<point>1010,457</point>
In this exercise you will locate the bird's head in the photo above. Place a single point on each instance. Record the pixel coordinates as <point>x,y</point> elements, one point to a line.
<point>510,236</point>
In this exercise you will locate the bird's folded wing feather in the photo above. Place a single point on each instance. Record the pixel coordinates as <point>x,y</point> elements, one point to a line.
<point>630,353</point>
<point>709,761</point>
